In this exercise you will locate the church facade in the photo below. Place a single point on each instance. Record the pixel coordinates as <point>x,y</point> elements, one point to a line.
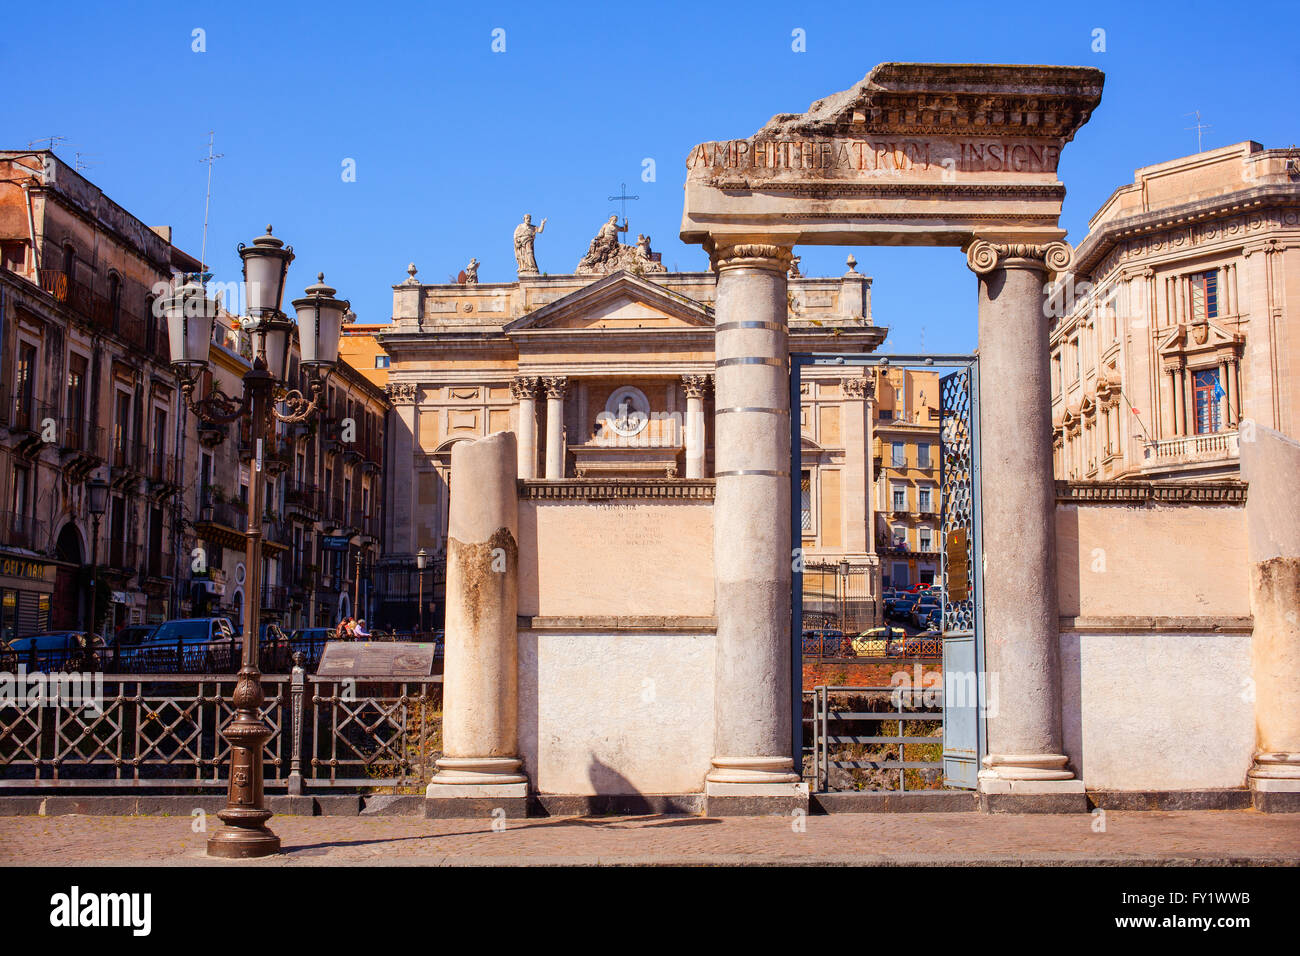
<point>606,378</point>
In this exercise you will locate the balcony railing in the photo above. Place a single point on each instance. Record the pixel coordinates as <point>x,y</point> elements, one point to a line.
<point>23,531</point>
<point>1211,446</point>
<point>230,514</point>
<point>158,564</point>
<point>163,469</point>
<point>275,597</point>
<point>96,309</point>
<point>126,455</point>
<point>81,436</point>
<point>29,415</point>
<point>301,496</point>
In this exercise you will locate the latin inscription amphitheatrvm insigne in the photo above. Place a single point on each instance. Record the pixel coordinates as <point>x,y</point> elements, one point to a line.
<point>878,155</point>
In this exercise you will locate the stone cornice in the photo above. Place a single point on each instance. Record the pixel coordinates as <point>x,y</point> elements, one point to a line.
<point>943,99</point>
<point>1098,244</point>
<point>1151,492</point>
<point>609,489</point>
<point>1163,624</point>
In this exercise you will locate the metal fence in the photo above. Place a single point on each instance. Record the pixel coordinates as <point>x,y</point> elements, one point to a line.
<point>838,596</point>
<point>156,730</point>
<point>837,742</point>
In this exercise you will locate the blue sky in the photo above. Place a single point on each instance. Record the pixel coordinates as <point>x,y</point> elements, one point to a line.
<point>453,143</point>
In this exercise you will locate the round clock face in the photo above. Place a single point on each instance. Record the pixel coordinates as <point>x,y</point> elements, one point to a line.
<point>628,411</point>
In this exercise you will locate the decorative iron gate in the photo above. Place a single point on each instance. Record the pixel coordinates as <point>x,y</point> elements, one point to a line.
<point>963,687</point>
<point>963,647</point>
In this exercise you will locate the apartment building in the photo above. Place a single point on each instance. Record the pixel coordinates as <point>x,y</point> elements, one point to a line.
<point>89,396</point>
<point>905,460</point>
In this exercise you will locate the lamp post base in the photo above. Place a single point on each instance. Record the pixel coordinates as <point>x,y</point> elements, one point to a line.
<point>240,843</point>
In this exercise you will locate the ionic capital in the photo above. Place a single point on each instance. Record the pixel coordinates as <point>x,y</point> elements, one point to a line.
<point>555,386</point>
<point>982,256</point>
<point>753,255</point>
<point>524,387</point>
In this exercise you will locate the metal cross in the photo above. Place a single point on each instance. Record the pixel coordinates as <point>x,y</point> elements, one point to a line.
<point>623,198</point>
<point>1199,127</point>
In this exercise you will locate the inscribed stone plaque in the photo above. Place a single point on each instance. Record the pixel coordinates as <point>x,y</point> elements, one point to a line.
<point>376,659</point>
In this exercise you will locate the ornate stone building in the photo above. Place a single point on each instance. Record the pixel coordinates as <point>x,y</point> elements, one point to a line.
<point>608,378</point>
<point>1177,330</point>
<point>88,393</point>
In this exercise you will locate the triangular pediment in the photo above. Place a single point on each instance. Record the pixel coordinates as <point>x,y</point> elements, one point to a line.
<point>620,301</point>
<point>1195,337</point>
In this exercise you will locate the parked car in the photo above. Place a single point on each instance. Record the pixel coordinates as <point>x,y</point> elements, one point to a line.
<point>195,644</point>
<point>922,607</point>
<point>53,651</point>
<point>876,641</point>
<point>934,619</point>
<point>126,640</point>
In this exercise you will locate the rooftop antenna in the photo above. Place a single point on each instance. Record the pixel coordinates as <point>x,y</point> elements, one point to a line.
<point>1198,126</point>
<point>209,159</point>
<point>923,339</point>
<point>82,165</point>
<point>50,141</point>
<point>623,198</point>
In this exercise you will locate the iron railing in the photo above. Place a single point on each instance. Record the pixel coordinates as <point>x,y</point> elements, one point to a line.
<point>836,745</point>
<point>136,731</point>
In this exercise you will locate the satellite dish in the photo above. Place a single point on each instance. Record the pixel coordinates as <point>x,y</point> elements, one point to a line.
<point>461,277</point>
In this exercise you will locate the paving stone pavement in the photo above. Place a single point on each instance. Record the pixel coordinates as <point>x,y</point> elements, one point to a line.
<point>1129,838</point>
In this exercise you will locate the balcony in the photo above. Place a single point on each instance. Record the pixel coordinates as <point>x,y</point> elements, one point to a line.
<point>302,498</point>
<point>158,565</point>
<point>97,310</point>
<point>23,531</point>
<point>275,598</point>
<point>163,471</point>
<point>1192,452</point>
<point>126,458</point>
<point>29,421</point>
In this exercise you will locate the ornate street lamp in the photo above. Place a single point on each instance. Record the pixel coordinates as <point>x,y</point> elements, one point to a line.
<point>421,561</point>
<point>189,320</point>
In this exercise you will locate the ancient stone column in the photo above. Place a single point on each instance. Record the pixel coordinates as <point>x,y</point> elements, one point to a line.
<point>753,767</point>
<point>1025,767</point>
<point>1269,463</point>
<point>695,444</point>
<point>525,391</point>
<point>555,389</point>
<point>480,767</point>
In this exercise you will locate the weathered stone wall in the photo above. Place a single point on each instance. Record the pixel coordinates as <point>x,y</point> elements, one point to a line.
<point>1155,645</point>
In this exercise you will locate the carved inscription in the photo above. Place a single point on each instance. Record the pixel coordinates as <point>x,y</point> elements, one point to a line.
<point>852,156</point>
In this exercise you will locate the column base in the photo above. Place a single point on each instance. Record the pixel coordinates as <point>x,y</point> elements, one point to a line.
<point>1030,783</point>
<point>467,787</point>
<point>1275,782</point>
<point>754,799</point>
<point>450,801</point>
<point>752,770</point>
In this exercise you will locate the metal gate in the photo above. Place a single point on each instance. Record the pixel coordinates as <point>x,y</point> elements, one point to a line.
<point>963,689</point>
<point>963,646</point>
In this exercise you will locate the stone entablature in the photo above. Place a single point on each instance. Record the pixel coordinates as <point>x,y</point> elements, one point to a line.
<point>580,489</point>
<point>915,153</point>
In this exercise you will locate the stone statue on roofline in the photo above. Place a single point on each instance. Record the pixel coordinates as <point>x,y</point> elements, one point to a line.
<point>606,254</point>
<point>525,235</point>
<point>471,272</point>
